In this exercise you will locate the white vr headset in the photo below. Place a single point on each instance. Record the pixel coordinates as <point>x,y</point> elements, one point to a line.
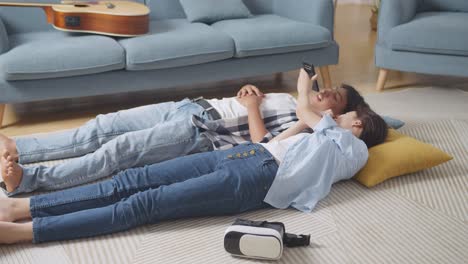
<point>260,239</point>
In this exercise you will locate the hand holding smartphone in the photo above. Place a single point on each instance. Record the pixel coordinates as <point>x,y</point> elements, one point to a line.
<point>309,68</point>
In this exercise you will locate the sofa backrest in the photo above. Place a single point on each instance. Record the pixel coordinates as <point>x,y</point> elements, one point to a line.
<point>27,19</point>
<point>444,5</point>
<point>163,9</point>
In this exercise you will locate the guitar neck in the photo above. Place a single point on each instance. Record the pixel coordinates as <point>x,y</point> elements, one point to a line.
<point>25,4</point>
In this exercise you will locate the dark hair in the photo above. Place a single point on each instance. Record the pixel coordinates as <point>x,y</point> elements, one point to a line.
<point>354,98</point>
<point>374,128</point>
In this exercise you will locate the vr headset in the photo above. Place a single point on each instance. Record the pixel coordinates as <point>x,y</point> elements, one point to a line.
<point>260,239</point>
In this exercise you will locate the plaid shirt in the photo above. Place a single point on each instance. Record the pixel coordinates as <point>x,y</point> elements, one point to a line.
<point>227,133</point>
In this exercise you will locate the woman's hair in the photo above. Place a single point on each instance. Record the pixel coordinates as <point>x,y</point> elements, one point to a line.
<point>354,98</point>
<point>374,128</point>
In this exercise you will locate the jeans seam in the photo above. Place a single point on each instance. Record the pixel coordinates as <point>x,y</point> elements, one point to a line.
<point>74,145</point>
<point>93,175</point>
<point>56,203</point>
<point>35,233</point>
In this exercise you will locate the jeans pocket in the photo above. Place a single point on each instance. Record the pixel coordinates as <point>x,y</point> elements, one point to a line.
<point>269,170</point>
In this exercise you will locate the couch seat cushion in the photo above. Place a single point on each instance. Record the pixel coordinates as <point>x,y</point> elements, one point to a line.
<point>175,43</point>
<point>55,54</point>
<point>432,32</point>
<point>272,34</point>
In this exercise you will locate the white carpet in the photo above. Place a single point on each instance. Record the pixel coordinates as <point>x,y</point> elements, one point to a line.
<point>418,218</point>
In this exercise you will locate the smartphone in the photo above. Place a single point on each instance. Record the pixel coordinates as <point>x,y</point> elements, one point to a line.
<point>309,68</point>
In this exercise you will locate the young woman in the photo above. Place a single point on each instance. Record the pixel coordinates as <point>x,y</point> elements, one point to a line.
<point>247,177</point>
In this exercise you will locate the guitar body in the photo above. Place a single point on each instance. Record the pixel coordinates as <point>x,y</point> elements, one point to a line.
<point>114,18</point>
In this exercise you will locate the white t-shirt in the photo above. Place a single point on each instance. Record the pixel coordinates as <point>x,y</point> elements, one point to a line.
<point>231,108</point>
<point>279,148</point>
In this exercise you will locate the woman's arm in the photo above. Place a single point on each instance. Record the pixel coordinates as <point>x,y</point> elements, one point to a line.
<point>257,128</point>
<point>307,116</point>
<point>291,131</point>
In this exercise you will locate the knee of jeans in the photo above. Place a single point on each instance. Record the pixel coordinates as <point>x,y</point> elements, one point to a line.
<point>132,212</point>
<point>125,181</point>
<point>105,123</point>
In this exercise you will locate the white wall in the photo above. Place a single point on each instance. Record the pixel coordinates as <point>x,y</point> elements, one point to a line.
<point>364,2</point>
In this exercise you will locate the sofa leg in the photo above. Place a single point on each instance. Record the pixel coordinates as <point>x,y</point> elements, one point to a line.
<point>327,83</point>
<point>382,79</point>
<point>279,77</point>
<point>2,113</point>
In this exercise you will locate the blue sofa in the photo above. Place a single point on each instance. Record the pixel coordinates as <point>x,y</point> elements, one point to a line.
<point>423,36</point>
<point>38,62</point>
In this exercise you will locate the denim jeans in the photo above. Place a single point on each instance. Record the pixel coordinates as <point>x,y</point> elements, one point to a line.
<point>204,184</point>
<point>112,142</point>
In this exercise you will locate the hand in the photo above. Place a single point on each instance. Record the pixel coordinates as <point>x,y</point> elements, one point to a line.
<point>250,101</point>
<point>329,112</point>
<point>304,83</point>
<point>249,89</point>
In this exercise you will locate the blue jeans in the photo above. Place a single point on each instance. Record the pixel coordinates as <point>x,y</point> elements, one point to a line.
<point>112,142</point>
<point>204,184</point>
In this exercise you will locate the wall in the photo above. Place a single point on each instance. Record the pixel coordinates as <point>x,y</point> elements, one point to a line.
<point>364,2</point>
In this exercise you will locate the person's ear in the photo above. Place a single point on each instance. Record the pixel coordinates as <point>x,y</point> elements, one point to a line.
<point>357,123</point>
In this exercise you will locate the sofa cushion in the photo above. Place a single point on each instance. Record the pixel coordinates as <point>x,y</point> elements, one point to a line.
<point>272,34</point>
<point>210,11</point>
<point>4,43</point>
<point>54,54</point>
<point>175,43</point>
<point>445,5</point>
<point>432,32</point>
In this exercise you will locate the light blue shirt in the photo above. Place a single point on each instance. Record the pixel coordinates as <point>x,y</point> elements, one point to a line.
<point>314,163</point>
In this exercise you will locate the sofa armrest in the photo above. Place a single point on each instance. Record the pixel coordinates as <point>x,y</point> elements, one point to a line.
<point>317,12</point>
<point>4,43</point>
<point>393,13</point>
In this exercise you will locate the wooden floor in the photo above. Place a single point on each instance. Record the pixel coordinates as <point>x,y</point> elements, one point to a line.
<point>356,67</point>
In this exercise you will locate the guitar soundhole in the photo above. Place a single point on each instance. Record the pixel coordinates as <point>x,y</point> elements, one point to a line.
<point>81,5</point>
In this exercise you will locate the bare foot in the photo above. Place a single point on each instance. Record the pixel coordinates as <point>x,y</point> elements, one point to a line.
<point>9,145</point>
<point>14,173</point>
<point>3,164</point>
<point>15,233</point>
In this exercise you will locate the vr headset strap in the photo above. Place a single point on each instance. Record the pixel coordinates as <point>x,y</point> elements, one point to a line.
<point>289,240</point>
<point>292,240</point>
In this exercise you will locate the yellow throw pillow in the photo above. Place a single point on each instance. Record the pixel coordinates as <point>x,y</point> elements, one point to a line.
<point>399,155</point>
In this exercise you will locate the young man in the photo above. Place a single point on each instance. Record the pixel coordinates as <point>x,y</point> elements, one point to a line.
<point>147,135</point>
<point>246,177</point>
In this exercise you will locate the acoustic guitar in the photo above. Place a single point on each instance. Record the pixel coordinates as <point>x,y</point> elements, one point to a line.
<point>114,18</point>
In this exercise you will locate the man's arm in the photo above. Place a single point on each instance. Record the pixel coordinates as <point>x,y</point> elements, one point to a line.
<point>257,128</point>
<point>249,89</point>
<point>305,111</point>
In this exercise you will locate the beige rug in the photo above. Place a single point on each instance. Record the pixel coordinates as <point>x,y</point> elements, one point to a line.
<point>418,218</point>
